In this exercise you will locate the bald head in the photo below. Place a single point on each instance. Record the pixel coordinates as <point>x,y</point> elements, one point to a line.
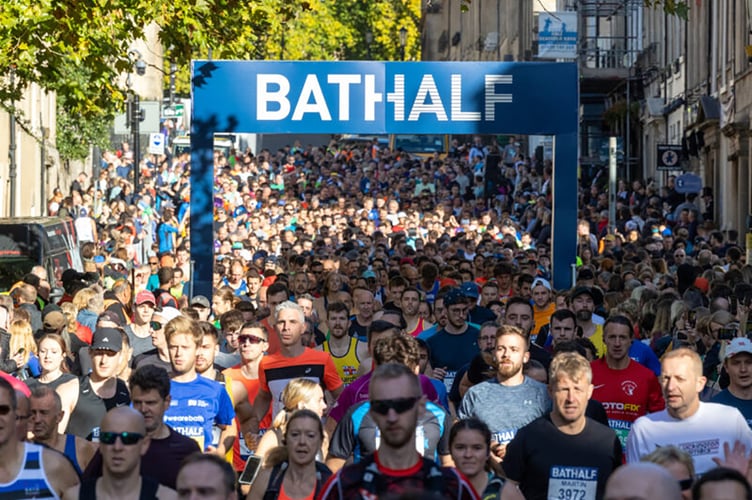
<point>123,419</point>
<point>642,481</point>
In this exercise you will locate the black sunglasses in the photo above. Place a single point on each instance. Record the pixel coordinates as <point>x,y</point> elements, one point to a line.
<point>685,484</point>
<point>251,339</point>
<point>155,325</point>
<point>5,409</point>
<point>128,438</point>
<point>400,405</point>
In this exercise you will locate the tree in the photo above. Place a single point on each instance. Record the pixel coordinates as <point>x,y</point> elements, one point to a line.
<point>80,51</point>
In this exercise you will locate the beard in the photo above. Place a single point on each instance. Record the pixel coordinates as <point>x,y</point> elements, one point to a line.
<point>584,315</point>
<point>397,437</point>
<point>506,371</point>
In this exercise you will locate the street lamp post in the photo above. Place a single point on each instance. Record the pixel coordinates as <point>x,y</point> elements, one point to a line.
<point>136,116</point>
<point>12,167</point>
<point>369,41</point>
<point>403,41</point>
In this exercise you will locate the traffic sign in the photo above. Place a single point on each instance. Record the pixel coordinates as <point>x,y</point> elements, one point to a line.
<point>156,143</point>
<point>688,183</point>
<point>174,111</point>
<point>669,156</point>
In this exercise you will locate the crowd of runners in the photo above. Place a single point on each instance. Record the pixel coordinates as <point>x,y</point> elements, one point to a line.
<point>381,325</point>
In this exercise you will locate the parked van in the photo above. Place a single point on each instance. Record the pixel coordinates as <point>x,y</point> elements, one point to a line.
<point>26,242</point>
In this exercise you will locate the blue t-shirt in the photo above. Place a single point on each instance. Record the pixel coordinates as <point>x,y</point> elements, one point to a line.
<point>196,406</point>
<point>452,352</point>
<point>643,354</point>
<point>743,405</point>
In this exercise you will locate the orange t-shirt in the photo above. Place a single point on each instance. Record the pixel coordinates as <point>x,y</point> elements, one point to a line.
<point>271,337</point>
<point>239,448</point>
<point>276,370</point>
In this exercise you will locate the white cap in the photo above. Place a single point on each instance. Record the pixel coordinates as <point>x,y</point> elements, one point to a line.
<point>167,313</point>
<point>738,345</point>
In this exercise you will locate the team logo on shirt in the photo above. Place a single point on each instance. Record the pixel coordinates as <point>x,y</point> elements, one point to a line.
<point>628,387</point>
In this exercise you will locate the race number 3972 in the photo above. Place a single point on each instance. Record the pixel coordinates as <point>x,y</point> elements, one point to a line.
<point>572,483</point>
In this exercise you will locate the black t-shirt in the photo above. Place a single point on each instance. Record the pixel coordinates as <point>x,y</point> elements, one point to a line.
<point>356,329</point>
<point>161,461</point>
<point>550,464</point>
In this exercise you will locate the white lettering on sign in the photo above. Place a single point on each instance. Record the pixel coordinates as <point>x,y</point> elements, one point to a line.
<point>457,113</point>
<point>398,98</point>
<point>371,98</point>
<point>492,98</point>
<point>344,82</point>
<point>311,88</point>
<point>428,91</point>
<point>275,96</point>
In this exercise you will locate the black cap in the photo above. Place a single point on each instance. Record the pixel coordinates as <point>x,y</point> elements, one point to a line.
<point>580,290</point>
<point>107,338</point>
<point>454,296</point>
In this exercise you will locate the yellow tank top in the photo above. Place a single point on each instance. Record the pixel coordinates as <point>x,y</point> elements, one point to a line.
<point>347,365</point>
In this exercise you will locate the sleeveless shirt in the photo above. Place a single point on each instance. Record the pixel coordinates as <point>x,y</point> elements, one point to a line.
<point>90,408</point>
<point>149,487</point>
<point>347,365</point>
<point>31,481</point>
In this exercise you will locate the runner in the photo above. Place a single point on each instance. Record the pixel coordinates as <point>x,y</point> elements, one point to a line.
<point>563,453</point>
<point>626,389</point>
<point>396,467</point>
<point>510,400</point>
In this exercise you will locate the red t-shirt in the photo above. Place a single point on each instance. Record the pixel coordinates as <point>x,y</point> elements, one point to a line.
<point>276,370</point>
<point>626,394</point>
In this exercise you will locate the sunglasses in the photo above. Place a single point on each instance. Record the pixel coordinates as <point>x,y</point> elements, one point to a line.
<point>251,339</point>
<point>400,405</point>
<point>685,484</point>
<point>155,325</point>
<point>153,263</point>
<point>5,409</point>
<point>127,438</point>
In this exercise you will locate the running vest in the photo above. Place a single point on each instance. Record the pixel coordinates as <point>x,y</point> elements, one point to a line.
<point>91,409</point>
<point>274,488</point>
<point>31,481</point>
<point>419,327</point>
<point>70,452</point>
<point>149,487</point>
<point>347,365</point>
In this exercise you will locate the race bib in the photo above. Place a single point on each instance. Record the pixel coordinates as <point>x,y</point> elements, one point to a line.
<point>572,483</point>
<point>449,379</point>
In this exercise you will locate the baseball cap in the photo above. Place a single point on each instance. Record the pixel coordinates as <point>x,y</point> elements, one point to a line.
<point>541,282</point>
<point>369,274</point>
<point>738,345</point>
<point>145,297</point>
<point>454,296</point>
<point>107,338</point>
<point>469,289</point>
<point>167,313</point>
<point>580,290</point>
<point>200,301</point>
<point>585,274</point>
<point>53,322</point>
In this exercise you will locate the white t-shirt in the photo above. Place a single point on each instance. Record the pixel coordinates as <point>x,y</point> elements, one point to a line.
<point>702,435</point>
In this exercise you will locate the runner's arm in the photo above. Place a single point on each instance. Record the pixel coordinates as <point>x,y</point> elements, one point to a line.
<point>261,404</point>
<point>511,491</point>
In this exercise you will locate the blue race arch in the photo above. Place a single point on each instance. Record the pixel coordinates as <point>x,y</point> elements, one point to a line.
<point>371,97</point>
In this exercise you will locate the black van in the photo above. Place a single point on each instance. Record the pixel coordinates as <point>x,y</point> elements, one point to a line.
<point>26,242</point>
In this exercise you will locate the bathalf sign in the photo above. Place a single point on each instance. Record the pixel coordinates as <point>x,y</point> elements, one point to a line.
<point>326,97</point>
<point>375,97</point>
